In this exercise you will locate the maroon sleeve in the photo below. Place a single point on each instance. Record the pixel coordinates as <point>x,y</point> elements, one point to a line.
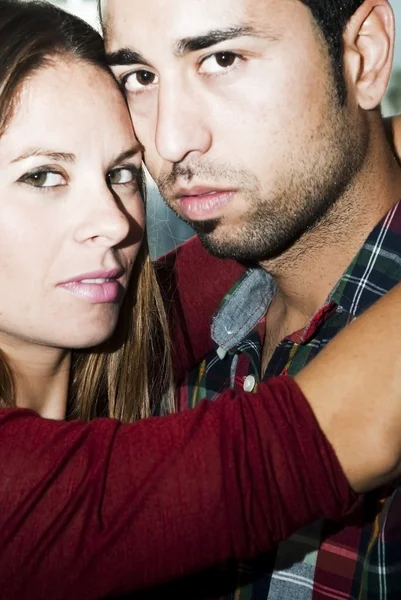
<point>94,509</point>
<point>193,283</point>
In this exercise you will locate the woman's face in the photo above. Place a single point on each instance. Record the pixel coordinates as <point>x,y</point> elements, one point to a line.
<point>71,213</point>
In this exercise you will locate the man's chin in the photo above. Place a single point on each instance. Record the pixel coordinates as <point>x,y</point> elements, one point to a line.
<point>244,250</point>
<point>203,228</point>
<point>225,249</point>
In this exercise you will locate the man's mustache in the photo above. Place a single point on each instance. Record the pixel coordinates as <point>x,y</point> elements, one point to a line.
<point>206,174</point>
<point>187,174</point>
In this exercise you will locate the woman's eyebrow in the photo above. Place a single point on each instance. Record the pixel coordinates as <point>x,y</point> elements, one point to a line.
<point>52,154</point>
<point>126,155</point>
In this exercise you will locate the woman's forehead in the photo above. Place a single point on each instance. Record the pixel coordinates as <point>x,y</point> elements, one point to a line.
<point>73,102</point>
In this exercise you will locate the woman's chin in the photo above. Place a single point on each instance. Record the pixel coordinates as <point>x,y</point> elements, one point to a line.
<point>85,337</point>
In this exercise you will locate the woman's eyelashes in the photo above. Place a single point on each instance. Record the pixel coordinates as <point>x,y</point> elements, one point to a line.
<point>44,178</point>
<point>127,175</point>
<point>50,178</point>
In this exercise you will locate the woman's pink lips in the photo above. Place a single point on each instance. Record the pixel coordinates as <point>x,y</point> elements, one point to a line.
<point>96,293</point>
<point>204,205</point>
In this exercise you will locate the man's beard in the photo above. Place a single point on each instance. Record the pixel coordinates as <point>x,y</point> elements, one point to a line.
<point>305,195</point>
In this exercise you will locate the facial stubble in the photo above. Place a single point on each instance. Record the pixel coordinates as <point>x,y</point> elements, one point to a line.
<point>316,180</point>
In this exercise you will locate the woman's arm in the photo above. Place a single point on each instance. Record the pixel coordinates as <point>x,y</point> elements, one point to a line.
<point>354,389</point>
<point>101,509</point>
<point>191,298</point>
<point>343,379</point>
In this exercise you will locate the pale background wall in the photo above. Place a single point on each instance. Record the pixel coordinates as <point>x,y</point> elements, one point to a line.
<point>164,229</point>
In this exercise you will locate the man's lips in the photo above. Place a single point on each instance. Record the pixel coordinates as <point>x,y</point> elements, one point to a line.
<point>203,203</point>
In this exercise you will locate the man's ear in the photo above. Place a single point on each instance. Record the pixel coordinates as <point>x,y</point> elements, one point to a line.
<point>368,51</point>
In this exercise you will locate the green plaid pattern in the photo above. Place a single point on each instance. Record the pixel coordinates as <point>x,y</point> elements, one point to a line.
<point>359,560</point>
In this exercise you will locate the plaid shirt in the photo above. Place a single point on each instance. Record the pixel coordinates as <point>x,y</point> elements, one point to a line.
<point>358,561</point>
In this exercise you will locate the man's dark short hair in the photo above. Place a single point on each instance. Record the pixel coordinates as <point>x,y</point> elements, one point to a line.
<point>332,17</point>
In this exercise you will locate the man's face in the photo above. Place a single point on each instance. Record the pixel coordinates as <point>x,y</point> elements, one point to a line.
<point>235,105</point>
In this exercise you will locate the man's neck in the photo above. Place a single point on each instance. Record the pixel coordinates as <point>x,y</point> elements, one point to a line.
<point>308,271</point>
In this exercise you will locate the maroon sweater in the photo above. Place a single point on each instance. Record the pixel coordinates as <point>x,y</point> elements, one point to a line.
<point>102,509</point>
<point>193,283</point>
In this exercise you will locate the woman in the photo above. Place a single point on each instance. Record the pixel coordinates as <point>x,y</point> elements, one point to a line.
<point>95,509</point>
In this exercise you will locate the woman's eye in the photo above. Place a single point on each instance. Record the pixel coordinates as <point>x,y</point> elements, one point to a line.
<point>44,179</point>
<point>218,62</point>
<point>138,80</point>
<point>122,175</point>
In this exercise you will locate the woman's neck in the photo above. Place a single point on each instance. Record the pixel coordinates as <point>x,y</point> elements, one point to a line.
<point>41,376</point>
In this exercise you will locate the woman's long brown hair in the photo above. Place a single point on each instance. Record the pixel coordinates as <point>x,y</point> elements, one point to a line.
<point>129,376</point>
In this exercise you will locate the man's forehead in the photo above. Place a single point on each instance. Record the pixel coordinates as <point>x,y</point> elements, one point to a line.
<point>129,22</point>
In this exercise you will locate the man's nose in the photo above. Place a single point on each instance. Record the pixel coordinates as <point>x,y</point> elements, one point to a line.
<point>182,125</point>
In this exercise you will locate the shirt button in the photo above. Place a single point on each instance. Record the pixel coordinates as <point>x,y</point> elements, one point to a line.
<point>249,383</point>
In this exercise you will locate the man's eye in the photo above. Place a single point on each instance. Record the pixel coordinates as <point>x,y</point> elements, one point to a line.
<point>122,175</point>
<point>218,62</point>
<point>138,80</point>
<point>44,179</point>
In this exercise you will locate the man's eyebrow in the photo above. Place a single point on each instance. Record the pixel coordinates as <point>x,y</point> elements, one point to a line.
<point>215,36</point>
<point>125,57</point>
<point>52,154</point>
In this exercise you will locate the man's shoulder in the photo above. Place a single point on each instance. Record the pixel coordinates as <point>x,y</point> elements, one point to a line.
<point>193,283</point>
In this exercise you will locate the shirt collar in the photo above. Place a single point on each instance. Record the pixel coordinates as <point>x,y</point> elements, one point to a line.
<point>373,272</point>
<point>375,269</point>
<point>242,308</point>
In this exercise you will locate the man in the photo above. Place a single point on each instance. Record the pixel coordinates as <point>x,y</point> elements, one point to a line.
<point>261,125</point>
